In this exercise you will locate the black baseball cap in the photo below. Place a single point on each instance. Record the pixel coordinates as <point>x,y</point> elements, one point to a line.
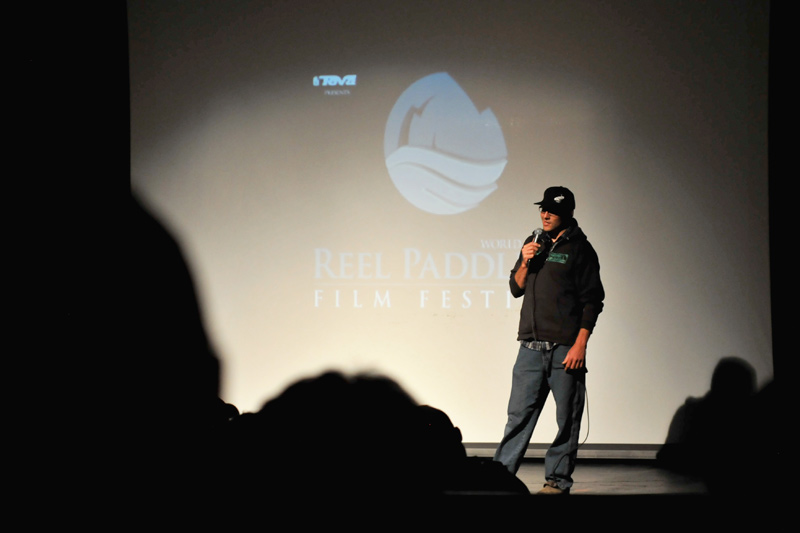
<point>558,200</point>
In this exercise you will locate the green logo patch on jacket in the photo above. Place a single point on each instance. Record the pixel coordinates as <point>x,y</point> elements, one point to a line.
<point>558,258</point>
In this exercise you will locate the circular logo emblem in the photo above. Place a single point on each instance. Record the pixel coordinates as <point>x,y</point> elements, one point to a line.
<point>443,155</point>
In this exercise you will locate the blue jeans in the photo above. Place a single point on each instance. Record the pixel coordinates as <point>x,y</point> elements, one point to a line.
<point>536,374</point>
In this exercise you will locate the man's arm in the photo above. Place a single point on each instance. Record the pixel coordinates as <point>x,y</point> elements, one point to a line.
<point>528,251</point>
<point>521,274</point>
<point>576,357</point>
<point>592,295</point>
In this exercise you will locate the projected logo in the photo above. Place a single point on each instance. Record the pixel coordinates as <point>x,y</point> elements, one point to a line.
<point>443,155</point>
<point>331,80</point>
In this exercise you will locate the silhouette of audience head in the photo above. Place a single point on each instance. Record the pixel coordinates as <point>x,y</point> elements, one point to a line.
<point>358,434</point>
<point>733,377</point>
<point>179,371</point>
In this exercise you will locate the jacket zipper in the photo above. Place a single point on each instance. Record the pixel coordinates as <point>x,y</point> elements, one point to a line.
<point>533,294</point>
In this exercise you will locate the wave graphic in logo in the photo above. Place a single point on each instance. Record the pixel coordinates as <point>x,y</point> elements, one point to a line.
<point>443,155</point>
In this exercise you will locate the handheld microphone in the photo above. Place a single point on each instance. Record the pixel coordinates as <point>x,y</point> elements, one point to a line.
<point>537,234</point>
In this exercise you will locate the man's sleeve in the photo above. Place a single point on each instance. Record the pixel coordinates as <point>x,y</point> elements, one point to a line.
<point>516,290</point>
<point>590,288</point>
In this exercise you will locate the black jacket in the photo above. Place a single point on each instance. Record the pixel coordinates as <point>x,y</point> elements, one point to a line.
<point>562,292</point>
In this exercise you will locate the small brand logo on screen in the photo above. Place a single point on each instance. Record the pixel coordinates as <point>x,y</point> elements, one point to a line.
<point>443,155</point>
<point>334,81</point>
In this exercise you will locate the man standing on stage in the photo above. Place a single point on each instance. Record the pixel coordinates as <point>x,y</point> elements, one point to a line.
<point>558,275</point>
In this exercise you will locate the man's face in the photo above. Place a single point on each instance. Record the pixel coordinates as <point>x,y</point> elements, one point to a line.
<point>550,221</point>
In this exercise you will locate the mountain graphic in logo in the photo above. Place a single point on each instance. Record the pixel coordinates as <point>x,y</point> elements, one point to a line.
<point>443,155</point>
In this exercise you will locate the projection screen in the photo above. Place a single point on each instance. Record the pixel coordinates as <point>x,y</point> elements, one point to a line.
<point>351,183</point>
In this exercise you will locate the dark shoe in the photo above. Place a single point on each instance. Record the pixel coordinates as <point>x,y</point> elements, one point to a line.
<point>551,488</point>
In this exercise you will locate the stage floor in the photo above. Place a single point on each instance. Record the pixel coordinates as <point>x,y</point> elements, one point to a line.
<point>610,478</point>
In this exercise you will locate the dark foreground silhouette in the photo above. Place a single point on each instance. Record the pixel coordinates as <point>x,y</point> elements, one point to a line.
<point>724,436</point>
<point>327,436</point>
